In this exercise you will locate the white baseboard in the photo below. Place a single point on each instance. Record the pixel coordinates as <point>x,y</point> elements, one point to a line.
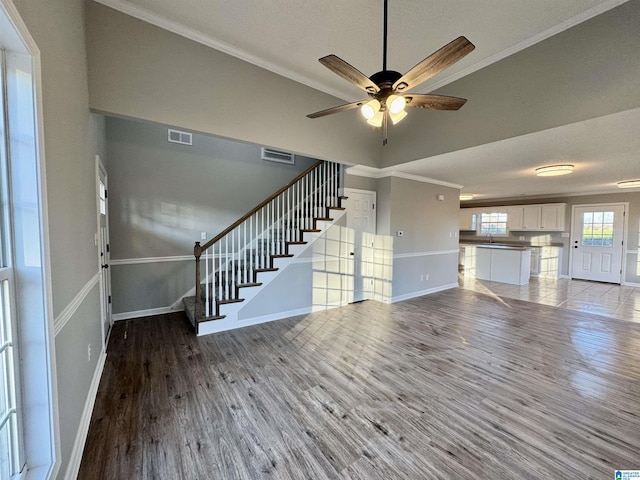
<point>631,284</point>
<point>83,429</point>
<point>420,293</point>
<point>147,313</point>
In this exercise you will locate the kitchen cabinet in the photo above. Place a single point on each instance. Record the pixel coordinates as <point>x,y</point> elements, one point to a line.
<point>502,264</point>
<point>468,218</point>
<point>546,261</point>
<point>531,217</point>
<point>552,217</point>
<point>515,217</point>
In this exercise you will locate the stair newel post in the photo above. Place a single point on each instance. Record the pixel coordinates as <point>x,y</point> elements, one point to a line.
<point>197,252</point>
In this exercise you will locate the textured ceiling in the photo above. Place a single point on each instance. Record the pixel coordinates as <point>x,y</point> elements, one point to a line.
<point>288,36</point>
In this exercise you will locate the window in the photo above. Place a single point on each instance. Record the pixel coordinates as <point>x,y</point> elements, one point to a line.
<point>493,224</point>
<point>10,438</point>
<point>597,229</point>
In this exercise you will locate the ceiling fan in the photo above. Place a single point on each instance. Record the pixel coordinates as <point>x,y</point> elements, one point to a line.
<point>387,88</point>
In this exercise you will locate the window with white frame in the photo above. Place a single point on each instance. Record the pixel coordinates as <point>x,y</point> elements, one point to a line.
<point>493,224</point>
<point>11,463</point>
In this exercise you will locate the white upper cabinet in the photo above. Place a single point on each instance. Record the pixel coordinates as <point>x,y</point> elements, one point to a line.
<point>515,217</point>
<point>547,217</point>
<point>467,219</point>
<point>531,217</point>
<point>552,217</point>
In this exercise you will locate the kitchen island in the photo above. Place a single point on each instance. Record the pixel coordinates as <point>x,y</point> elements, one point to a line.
<point>498,263</point>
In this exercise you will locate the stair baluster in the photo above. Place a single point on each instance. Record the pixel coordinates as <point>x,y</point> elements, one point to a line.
<point>236,256</point>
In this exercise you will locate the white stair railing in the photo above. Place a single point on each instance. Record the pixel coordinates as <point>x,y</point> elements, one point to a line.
<point>234,258</point>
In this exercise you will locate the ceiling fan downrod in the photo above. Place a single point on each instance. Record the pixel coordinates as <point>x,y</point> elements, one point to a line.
<point>384,39</point>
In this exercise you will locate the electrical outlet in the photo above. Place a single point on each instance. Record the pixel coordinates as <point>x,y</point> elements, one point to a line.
<point>89,352</point>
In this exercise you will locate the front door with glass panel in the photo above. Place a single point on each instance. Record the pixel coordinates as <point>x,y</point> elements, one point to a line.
<point>597,242</point>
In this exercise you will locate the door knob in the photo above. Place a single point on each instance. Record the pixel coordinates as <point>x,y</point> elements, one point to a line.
<point>105,266</point>
<point>351,253</point>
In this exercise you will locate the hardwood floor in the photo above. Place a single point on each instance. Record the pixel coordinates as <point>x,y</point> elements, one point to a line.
<point>454,385</point>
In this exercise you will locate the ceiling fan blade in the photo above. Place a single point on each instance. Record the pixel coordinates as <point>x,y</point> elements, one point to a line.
<point>349,73</point>
<point>434,102</point>
<point>434,64</point>
<point>340,108</point>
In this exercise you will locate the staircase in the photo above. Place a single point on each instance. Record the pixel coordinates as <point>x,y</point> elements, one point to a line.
<point>232,267</point>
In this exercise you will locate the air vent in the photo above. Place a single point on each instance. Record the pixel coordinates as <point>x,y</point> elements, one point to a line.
<point>183,138</point>
<point>278,156</point>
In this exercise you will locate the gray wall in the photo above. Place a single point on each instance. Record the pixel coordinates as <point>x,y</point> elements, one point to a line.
<point>632,260</point>
<point>141,71</point>
<point>163,195</point>
<point>430,241</point>
<point>58,29</point>
<point>541,87</point>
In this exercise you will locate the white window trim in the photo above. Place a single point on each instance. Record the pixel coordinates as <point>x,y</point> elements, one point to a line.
<point>39,396</point>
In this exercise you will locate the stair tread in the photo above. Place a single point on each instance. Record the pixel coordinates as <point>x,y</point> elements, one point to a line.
<point>250,284</point>
<point>275,269</point>
<point>326,219</point>
<point>336,208</point>
<point>296,243</point>
<point>230,300</point>
<point>190,306</point>
<point>282,255</point>
<point>315,230</point>
<point>211,318</point>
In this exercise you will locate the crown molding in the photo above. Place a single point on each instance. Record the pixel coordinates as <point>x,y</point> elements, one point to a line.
<point>549,32</point>
<point>370,172</point>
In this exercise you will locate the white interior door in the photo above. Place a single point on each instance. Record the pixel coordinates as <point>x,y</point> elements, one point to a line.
<point>361,217</point>
<point>597,242</point>
<point>104,250</point>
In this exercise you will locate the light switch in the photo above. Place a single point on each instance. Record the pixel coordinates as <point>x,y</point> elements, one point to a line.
<point>203,235</point>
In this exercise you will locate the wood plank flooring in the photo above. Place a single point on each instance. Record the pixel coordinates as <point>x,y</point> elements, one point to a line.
<point>454,385</point>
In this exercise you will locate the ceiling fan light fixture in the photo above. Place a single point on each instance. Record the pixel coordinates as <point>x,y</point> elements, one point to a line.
<point>370,109</point>
<point>554,170</point>
<point>629,184</point>
<point>396,104</point>
<point>376,121</point>
<point>396,117</point>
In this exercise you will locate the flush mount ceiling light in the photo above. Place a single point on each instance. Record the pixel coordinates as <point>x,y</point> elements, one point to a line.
<point>554,170</point>
<point>466,196</point>
<point>390,89</point>
<point>629,184</point>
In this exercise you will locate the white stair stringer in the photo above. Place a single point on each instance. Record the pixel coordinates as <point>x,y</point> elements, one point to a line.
<point>230,310</point>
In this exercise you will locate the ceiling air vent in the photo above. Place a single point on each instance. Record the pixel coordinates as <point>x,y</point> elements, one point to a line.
<point>183,138</point>
<point>278,156</point>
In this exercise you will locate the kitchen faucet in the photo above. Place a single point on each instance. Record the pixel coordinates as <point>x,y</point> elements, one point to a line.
<point>490,237</point>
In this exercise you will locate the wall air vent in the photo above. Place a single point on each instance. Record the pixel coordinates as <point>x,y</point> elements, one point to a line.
<point>278,156</point>
<point>183,138</point>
